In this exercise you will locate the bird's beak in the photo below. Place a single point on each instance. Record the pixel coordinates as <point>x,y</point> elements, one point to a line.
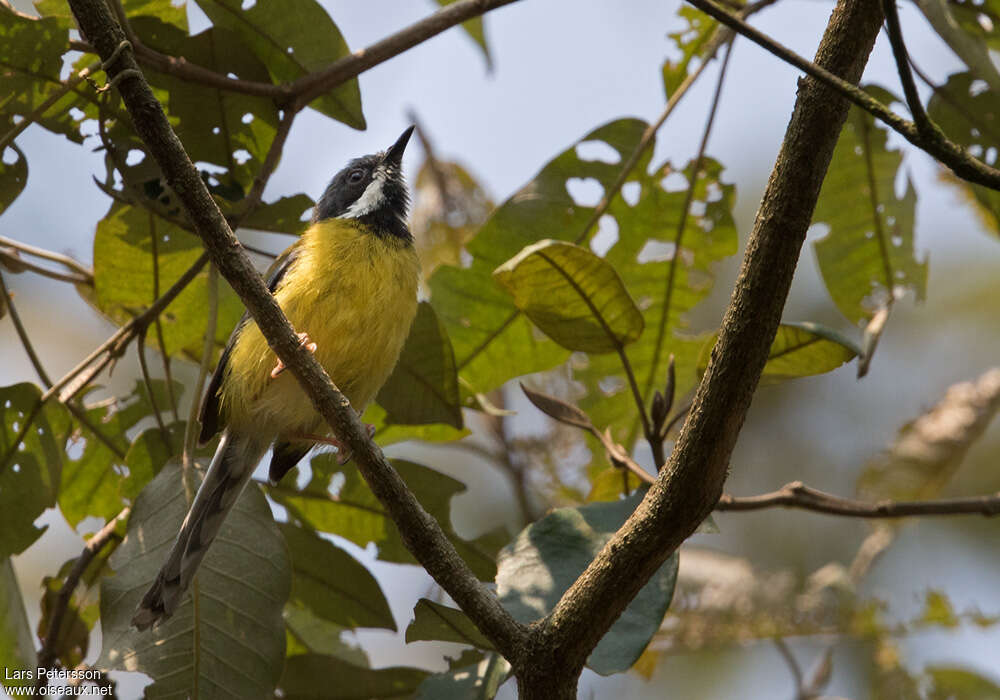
<point>395,153</point>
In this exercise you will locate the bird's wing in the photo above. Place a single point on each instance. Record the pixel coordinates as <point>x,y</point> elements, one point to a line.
<point>209,414</point>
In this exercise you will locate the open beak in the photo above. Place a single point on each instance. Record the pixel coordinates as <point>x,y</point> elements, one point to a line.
<point>395,153</point>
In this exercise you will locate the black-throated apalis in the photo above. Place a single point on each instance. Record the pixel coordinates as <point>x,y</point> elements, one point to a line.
<point>349,284</point>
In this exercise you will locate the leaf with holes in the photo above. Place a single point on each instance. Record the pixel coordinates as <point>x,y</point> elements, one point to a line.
<point>284,215</point>
<point>292,38</point>
<point>227,637</point>
<point>969,27</point>
<point>228,130</point>
<point>493,341</point>
<point>309,634</point>
<point>332,584</point>
<point>970,115</point>
<point>423,388</point>
<point>691,42</point>
<point>867,259</point>
<point>547,557</point>
<point>573,296</point>
<point>671,235</point>
<point>799,350</point>
<point>435,622</point>
<point>32,439</point>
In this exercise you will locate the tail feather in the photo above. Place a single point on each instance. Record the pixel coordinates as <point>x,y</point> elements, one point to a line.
<point>227,476</point>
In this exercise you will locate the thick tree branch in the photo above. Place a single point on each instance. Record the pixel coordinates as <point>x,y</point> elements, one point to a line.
<point>935,143</point>
<point>421,533</point>
<point>690,485</point>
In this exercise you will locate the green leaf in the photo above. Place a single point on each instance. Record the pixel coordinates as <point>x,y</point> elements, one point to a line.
<point>970,116</point>
<point>938,610</point>
<point>691,42</point>
<point>668,259</point>
<point>17,648</point>
<point>95,482</point>
<point>390,433</point>
<point>477,682</point>
<point>232,643</point>
<point>317,677</point>
<point>13,174</point>
<point>867,259</point>
<point>283,215</point>
<point>226,129</point>
<point>333,584</point>
<point>338,501</point>
<point>574,297</point>
<point>799,350</point>
<point>476,30</point>
<point>969,27</point>
<point>423,388</point>
<point>124,284</point>
<point>953,683</point>
<point>32,438</point>
<point>550,554</point>
<point>493,342</point>
<point>308,633</point>
<point>436,622</point>
<point>32,63</point>
<point>293,38</point>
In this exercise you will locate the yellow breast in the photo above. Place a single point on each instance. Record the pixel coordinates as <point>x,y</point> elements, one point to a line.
<point>355,294</point>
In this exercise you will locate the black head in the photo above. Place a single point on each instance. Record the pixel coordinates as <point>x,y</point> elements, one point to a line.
<point>372,190</point>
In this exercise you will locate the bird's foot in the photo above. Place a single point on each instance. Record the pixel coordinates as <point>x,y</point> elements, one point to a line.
<point>344,453</point>
<point>303,341</point>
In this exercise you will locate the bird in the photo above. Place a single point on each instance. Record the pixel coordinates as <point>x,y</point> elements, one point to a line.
<point>349,284</point>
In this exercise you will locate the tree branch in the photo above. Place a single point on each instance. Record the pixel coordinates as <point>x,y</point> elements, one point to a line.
<point>798,495</point>
<point>81,273</point>
<point>420,532</point>
<point>934,143</point>
<point>688,488</point>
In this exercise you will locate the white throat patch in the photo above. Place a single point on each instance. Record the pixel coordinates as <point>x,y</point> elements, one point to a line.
<point>371,199</point>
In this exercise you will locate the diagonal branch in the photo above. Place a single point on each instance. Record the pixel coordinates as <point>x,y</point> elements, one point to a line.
<point>421,533</point>
<point>690,485</point>
<point>935,143</point>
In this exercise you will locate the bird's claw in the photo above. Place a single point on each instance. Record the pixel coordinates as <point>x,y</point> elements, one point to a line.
<point>304,342</point>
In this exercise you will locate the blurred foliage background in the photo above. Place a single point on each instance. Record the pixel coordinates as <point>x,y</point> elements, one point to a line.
<point>523,127</point>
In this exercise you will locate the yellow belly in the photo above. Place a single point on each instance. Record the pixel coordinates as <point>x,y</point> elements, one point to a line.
<point>355,294</point>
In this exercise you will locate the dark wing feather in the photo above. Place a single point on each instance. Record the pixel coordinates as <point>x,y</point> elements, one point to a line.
<point>284,457</point>
<point>209,415</point>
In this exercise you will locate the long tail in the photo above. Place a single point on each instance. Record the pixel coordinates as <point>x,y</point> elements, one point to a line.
<point>228,474</point>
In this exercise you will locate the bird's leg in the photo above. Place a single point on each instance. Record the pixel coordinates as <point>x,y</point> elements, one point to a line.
<point>303,340</point>
<point>343,453</point>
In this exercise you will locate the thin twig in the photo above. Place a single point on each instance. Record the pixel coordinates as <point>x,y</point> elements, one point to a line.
<point>78,267</point>
<point>924,124</point>
<point>935,144</point>
<point>255,196</point>
<point>144,368</point>
<point>47,654</point>
<point>158,324</point>
<point>798,495</point>
<point>655,442</point>
<point>793,666</point>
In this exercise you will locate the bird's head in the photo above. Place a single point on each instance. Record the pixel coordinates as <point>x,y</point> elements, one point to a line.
<point>372,190</point>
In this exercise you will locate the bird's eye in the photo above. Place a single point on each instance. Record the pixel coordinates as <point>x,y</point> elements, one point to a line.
<point>355,176</point>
